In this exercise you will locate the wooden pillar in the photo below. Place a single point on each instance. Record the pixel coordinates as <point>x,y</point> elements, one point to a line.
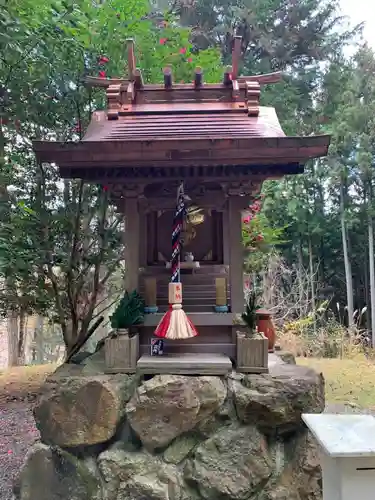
<point>236,254</point>
<point>226,237</point>
<point>132,241</point>
<point>143,237</point>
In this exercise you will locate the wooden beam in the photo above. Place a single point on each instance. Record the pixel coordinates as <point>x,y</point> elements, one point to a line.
<point>130,92</point>
<point>275,77</point>
<point>227,79</point>
<point>236,54</point>
<point>113,101</point>
<point>138,79</point>
<point>236,89</point>
<point>198,77</point>
<point>252,98</point>
<point>131,58</point>
<point>95,81</point>
<point>168,77</point>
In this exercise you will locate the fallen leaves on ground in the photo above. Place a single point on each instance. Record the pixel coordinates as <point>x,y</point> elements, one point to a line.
<point>23,383</point>
<point>349,381</point>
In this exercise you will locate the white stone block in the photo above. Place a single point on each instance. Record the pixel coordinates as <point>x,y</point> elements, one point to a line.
<point>348,454</point>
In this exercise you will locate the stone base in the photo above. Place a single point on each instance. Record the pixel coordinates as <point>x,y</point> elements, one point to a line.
<point>175,437</point>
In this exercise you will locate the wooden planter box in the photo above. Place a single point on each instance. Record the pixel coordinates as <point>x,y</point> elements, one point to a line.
<point>121,353</point>
<point>252,354</point>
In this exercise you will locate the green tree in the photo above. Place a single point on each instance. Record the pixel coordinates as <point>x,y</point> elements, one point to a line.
<point>61,240</point>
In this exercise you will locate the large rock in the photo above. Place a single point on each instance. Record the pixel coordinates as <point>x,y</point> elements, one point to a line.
<point>276,401</point>
<point>232,465</point>
<point>91,365</point>
<point>137,476</point>
<point>50,473</point>
<point>239,437</point>
<point>82,411</point>
<point>305,464</point>
<point>180,448</point>
<point>280,493</point>
<point>169,405</point>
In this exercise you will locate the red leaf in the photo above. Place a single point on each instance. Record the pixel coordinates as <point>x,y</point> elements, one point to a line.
<point>102,74</point>
<point>103,60</point>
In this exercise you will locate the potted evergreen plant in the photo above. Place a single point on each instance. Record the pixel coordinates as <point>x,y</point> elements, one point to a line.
<point>122,345</point>
<point>252,347</point>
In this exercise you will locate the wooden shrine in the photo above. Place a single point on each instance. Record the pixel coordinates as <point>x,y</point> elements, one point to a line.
<point>222,144</point>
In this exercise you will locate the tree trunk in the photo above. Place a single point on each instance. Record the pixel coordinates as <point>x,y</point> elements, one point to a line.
<point>39,341</point>
<point>371,262</point>
<point>347,263</point>
<point>21,338</point>
<point>312,282</point>
<point>367,299</point>
<point>300,280</point>
<point>12,333</point>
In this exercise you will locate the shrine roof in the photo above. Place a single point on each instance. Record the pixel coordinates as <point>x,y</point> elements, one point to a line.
<point>156,122</point>
<point>182,125</point>
<point>159,135</point>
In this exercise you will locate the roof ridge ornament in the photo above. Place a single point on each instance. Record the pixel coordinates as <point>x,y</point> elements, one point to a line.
<point>126,96</point>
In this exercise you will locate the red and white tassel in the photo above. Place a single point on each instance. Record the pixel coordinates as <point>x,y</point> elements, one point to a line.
<point>175,324</point>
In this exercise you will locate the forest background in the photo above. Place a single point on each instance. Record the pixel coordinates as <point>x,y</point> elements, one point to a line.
<point>309,239</point>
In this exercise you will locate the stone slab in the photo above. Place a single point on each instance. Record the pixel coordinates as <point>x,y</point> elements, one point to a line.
<point>185,364</point>
<point>343,435</point>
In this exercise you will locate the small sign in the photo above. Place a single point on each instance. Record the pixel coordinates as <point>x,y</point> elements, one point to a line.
<point>157,347</point>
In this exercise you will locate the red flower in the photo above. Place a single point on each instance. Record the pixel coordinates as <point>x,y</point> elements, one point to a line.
<point>260,237</point>
<point>246,219</point>
<point>102,74</point>
<point>190,59</point>
<point>103,60</point>
<point>163,41</point>
<point>183,50</point>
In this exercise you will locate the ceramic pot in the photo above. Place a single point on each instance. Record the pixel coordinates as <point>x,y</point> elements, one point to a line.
<point>265,325</point>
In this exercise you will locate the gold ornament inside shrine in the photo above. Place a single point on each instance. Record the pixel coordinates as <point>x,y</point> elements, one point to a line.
<point>222,144</point>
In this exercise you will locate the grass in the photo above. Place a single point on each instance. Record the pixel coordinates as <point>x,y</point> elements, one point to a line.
<point>23,382</point>
<point>350,381</point>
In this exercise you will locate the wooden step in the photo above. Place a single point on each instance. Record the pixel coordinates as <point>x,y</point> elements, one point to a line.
<point>184,363</point>
<point>208,283</point>
<point>187,291</point>
<point>190,308</point>
<point>203,269</point>
<point>190,301</point>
